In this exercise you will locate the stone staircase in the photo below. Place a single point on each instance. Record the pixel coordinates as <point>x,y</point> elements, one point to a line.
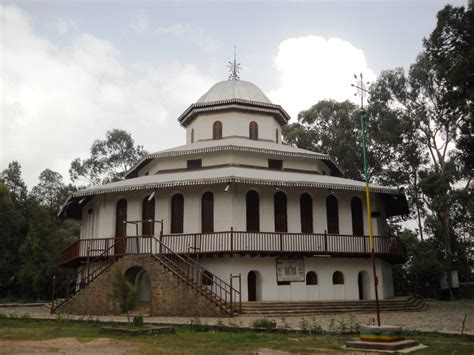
<point>396,304</point>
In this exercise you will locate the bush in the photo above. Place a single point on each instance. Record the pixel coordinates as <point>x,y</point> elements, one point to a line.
<point>138,321</point>
<point>263,323</point>
<point>123,293</point>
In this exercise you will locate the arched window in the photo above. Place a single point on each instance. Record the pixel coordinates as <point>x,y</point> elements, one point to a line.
<point>253,211</point>
<point>311,278</point>
<point>148,216</point>
<point>279,203</point>
<point>337,278</point>
<point>120,227</point>
<point>177,213</point>
<point>277,135</point>
<point>357,218</point>
<point>217,130</point>
<point>332,212</point>
<point>120,218</point>
<point>192,135</point>
<point>253,130</point>
<point>306,212</point>
<point>207,212</point>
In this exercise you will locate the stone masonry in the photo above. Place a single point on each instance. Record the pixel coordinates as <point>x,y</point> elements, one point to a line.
<point>169,295</point>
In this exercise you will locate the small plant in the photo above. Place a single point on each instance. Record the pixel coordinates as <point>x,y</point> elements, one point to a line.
<point>342,327</point>
<point>286,326</point>
<point>138,321</point>
<point>233,324</point>
<point>123,293</point>
<point>332,328</point>
<point>304,325</point>
<point>315,328</point>
<point>263,323</point>
<point>59,317</point>
<point>220,322</point>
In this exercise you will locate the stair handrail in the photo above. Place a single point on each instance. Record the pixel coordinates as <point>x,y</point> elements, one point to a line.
<point>231,295</point>
<point>70,287</point>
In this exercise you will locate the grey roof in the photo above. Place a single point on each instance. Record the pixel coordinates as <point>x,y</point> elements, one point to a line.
<point>234,89</point>
<point>233,174</point>
<point>232,144</point>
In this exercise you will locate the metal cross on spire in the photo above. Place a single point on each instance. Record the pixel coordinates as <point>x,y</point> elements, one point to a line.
<point>234,68</point>
<point>361,90</point>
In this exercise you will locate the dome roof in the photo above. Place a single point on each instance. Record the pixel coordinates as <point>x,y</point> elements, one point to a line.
<point>234,89</point>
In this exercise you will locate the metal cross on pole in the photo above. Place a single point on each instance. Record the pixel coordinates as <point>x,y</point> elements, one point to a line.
<point>362,92</point>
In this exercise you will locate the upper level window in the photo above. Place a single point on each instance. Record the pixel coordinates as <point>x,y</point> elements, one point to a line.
<point>306,212</point>
<point>217,130</point>
<point>192,135</point>
<point>332,212</point>
<point>281,219</point>
<point>277,136</point>
<point>194,164</point>
<point>177,213</point>
<point>357,217</point>
<point>275,164</point>
<point>253,130</point>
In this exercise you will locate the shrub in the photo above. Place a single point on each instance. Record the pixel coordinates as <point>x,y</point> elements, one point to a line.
<point>263,323</point>
<point>123,293</point>
<point>138,321</point>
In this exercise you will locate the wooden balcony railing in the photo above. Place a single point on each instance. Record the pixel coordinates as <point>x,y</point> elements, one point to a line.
<point>244,242</point>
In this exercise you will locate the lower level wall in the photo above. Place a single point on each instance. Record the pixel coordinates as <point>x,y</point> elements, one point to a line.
<point>169,295</point>
<point>267,288</point>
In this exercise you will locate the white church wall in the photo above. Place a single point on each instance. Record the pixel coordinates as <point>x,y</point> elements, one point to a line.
<point>299,291</point>
<point>233,124</point>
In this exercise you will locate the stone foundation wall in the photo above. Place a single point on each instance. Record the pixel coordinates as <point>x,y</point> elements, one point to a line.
<point>169,295</point>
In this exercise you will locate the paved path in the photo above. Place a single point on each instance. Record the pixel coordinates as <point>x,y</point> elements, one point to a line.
<point>446,317</point>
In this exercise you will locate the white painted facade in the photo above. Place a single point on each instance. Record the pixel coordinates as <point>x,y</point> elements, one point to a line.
<point>98,216</point>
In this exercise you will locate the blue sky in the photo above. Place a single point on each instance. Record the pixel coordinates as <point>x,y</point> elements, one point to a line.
<point>71,70</point>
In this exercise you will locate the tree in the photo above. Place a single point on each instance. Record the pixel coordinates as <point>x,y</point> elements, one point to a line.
<point>123,293</point>
<point>14,183</point>
<point>438,102</point>
<point>51,192</point>
<point>334,128</point>
<point>13,228</point>
<point>110,159</point>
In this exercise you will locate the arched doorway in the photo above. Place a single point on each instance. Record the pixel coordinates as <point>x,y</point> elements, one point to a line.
<point>141,280</point>
<point>252,285</point>
<point>363,283</point>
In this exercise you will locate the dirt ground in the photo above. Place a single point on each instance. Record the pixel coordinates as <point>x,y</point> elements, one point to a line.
<point>66,346</point>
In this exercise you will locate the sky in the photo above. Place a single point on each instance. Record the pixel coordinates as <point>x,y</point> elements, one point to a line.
<point>72,70</point>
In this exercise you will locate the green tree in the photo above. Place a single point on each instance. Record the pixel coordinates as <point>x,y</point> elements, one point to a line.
<point>13,228</point>
<point>51,192</point>
<point>123,293</point>
<point>109,159</point>
<point>14,183</point>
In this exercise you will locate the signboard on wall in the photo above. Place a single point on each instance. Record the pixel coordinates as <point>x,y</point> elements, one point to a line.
<point>290,270</point>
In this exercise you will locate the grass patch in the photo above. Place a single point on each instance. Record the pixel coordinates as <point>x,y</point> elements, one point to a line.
<point>187,340</point>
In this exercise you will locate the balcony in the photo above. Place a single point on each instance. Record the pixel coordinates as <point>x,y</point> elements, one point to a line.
<point>240,243</point>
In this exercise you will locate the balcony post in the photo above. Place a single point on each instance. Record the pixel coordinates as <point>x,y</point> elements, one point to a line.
<point>88,265</point>
<point>161,240</point>
<point>231,293</point>
<point>231,240</point>
<point>281,242</point>
<point>52,293</point>
<point>325,241</point>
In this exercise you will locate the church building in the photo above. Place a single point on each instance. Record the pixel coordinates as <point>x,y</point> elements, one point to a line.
<point>233,216</point>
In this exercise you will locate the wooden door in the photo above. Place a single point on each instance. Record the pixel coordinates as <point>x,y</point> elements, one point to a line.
<point>120,227</point>
<point>252,286</point>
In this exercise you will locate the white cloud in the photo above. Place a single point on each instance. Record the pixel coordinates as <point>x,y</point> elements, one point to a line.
<point>140,23</point>
<point>64,26</point>
<point>197,36</point>
<point>57,99</point>
<point>312,68</point>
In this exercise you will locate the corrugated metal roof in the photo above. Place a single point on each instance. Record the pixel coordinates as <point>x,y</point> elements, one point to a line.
<point>232,144</point>
<point>233,175</point>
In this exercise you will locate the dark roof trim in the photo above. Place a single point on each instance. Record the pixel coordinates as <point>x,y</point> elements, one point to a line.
<point>234,104</point>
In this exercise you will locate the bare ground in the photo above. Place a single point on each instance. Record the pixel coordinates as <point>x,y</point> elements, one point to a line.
<point>65,346</point>
<point>437,316</point>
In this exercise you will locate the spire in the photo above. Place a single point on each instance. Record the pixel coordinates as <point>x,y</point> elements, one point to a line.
<point>234,68</point>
